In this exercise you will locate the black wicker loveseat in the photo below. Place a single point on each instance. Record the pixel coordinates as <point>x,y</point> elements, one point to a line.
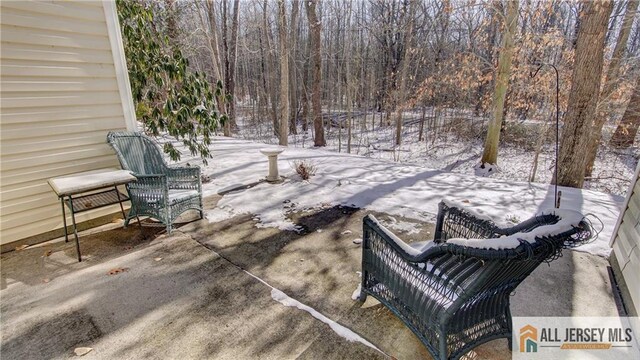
<point>454,292</point>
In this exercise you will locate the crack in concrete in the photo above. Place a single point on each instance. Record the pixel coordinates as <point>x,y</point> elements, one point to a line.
<point>334,325</point>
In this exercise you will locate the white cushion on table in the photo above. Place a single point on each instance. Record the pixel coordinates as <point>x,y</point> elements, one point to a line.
<point>90,180</point>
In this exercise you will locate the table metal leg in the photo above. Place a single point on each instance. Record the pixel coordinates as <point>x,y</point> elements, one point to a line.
<point>75,228</point>
<point>64,220</point>
<point>124,216</point>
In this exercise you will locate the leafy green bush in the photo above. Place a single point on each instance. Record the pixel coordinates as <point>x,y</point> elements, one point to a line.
<point>168,96</point>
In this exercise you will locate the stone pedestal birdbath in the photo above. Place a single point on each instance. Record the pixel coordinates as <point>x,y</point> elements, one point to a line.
<point>272,154</point>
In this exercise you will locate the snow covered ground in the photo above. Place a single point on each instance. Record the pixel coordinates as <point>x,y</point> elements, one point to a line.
<point>445,149</point>
<point>403,189</point>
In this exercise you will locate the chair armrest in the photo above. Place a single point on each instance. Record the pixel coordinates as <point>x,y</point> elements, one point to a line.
<point>374,231</point>
<point>149,188</point>
<point>392,261</point>
<point>183,171</point>
<point>150,178</point>
<point>458,222</point>
<point>149,181</point>
<point>184,178</point>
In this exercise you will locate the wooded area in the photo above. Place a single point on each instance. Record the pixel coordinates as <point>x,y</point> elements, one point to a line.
<point>350,67</point>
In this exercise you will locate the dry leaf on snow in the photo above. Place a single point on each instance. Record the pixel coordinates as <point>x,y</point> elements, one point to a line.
<point>116,271</point>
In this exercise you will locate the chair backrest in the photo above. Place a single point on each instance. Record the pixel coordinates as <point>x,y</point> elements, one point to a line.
<point>505,269</point>
<point>472,272</point>
<point>137,153</point>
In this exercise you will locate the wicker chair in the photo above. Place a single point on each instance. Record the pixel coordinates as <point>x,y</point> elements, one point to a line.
<point>456,297</point>
<point>162,192</point>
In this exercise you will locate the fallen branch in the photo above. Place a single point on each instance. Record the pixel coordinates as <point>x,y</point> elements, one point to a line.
<point>389,150</point>
<point>598,178</point>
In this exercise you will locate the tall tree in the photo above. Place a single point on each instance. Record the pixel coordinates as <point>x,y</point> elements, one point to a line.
<point>267,64</point>
<point>217,68</point>
<point>172,27</point>
<point>612,79</point>
<point>293,75</point>
<point>169,98</point>
<point>490,153</point>
<point>409,10</point>
<point>230,60</point>
<point>212,37</point>
<point>347,75</point>
<point>628,129</point>
<point>585,88</point>
<point>315,27</point>
<point>284,73</point>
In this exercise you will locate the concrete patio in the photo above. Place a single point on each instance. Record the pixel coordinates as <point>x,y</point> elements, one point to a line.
<point>204,292</point>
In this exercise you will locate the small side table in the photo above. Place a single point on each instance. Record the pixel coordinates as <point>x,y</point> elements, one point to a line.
<point>67,187</point>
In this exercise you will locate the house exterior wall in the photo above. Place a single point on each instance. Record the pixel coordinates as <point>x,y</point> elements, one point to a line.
<point>64,85</point>
<point>626,247</point>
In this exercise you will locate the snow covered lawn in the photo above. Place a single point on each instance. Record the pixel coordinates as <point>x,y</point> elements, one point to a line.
<point>398,189</point>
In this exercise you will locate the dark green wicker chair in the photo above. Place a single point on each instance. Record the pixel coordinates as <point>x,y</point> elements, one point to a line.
<point>162,192</point>
<point>456,297</point>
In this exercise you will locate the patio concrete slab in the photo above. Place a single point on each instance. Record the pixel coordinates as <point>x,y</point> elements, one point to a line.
<point>187,295</point>
<point>320,267</point>
<point>175,299</point>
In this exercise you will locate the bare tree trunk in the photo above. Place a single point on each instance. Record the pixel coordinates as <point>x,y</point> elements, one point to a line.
<point>612,79</point>
<point>225,60</point>
<point>399,102</point>
<point>305,109</point>
<point>293,75</point>
<point>284,73</point>
<point>316,62</point>
<point>576,28</point>
<point>218,70</point>
<point>172,28</point>
<point>583,97</point>
<point>347,75</point>
<point>214,46</point>
<point>436,119</point>
<point>304,97</point>
<point>493,26</point>
<point>232,56</point>
<point>539,144</point>
<point>266,85</point>
<point>490,154</point>
<point>627,130</point>
<point>305,86</point>
<point>422,119</point>
<point>269,61</point>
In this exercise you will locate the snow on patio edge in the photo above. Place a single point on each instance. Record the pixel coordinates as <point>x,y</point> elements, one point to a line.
<point>394,188</point>
<point>286,300</point>
<point>342,331</point>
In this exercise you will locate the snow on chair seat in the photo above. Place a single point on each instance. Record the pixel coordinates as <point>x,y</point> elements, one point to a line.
<point>454,295</point>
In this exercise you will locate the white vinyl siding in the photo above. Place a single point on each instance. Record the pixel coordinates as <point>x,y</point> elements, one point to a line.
<point>60,96</point>
<point>626,242</point>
